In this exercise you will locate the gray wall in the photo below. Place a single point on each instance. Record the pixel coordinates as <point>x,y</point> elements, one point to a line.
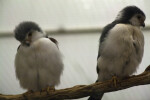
<point>55,14</point>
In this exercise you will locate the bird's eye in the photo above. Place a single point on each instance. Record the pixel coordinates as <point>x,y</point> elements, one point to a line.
<point>30,34</point>
<point>138,16</point>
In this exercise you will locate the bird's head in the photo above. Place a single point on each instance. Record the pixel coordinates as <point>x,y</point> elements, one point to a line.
<point>27,32</point>
<point>132,15</point>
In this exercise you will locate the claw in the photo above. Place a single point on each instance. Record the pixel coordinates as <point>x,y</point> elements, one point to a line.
<point>115,80</point>
<point>48,89</point>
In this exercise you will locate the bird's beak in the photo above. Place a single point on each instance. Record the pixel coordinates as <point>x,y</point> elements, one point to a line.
<point>27,42</point>
<point>143,24</point>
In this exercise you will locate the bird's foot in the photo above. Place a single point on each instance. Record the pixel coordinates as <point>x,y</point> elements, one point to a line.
<point>48,89</point>
<point>29,92</point>
<point>115,80</point>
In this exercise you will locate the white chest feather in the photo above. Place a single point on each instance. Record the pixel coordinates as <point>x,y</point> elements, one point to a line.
<point>39,65</point>
<point>121,52</point>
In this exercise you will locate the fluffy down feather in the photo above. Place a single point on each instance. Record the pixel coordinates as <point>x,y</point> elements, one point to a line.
<point>121,52</point>
<point>38,65</point>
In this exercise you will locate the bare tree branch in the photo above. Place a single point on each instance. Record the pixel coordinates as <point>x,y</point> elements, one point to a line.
<point>84,90</point>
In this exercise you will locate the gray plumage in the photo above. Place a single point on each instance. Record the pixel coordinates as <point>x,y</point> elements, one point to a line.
<point>121,46</point>
<point>38,61</point>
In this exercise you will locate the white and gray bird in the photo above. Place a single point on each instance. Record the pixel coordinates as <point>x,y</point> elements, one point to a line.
<point>121,46</point>
<point>38,61</point>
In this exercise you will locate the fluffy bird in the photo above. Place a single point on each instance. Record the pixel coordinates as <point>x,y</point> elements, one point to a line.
<point>38,61</point>
<point>121,46</point>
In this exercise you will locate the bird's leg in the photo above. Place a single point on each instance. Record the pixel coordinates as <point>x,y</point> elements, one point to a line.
<point>48,89</point>
<point>115,79</point>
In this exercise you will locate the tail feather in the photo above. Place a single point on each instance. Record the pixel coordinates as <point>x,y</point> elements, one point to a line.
<point>96,96</point>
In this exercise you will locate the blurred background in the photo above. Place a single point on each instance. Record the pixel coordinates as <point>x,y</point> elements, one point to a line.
<point>77,25</point>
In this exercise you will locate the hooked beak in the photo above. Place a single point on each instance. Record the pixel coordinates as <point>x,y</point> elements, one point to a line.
<point>27,42</point>
<point>143,24</point>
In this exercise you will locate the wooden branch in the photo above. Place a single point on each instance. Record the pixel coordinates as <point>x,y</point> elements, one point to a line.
<point>84,90</point>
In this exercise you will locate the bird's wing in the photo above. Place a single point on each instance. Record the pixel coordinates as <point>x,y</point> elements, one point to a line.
<point>18,47</point>
<point>54,41</point>
<point>104,34</point>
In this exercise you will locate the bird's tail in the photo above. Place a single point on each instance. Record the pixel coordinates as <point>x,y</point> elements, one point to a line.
<point>96,96</point>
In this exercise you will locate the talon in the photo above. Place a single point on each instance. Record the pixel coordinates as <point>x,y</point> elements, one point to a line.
<point>48,89</point>
<point>115,80</point>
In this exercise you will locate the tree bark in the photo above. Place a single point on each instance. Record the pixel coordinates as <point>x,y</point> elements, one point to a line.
<point>80,91</point>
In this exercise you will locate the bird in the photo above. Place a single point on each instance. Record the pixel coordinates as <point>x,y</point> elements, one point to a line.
<point>121,47</point>
<point>38,60</point>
